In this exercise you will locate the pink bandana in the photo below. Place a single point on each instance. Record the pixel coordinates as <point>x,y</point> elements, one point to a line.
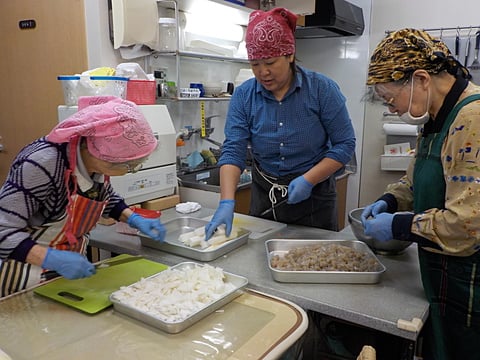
<point>115,129</point>
<point>270,33</point>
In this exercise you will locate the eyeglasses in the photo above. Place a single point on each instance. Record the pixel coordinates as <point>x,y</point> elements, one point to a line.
<point>391,100</point>
<point>131,169</point>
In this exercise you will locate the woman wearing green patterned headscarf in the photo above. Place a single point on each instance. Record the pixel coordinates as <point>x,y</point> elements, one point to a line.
<point>437,203</point>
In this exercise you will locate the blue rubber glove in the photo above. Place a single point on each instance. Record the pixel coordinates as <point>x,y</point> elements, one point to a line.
<point>373,210</point>
<point>150,227</point>
<point>299,189</point>
<point>380,227</point>
<point>69,264</point>
<point>223,215</point>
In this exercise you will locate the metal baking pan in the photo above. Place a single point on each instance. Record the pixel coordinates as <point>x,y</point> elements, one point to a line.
<point>238,282</point>
<point>185,224</point>
<point>282,246</point>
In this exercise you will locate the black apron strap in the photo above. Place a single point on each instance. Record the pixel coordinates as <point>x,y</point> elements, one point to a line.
<point>319,210</point>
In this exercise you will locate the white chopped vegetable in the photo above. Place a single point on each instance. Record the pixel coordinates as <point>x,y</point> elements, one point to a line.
<point>185,237</point>
<point>196,240</point>
<point>173,295</point>
<point>218,239</point>
<point>199,231</point>
<point>196,237</point>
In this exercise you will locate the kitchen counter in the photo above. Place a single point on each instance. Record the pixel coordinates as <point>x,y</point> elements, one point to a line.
<point>398,295</point>
<point>252,326</point>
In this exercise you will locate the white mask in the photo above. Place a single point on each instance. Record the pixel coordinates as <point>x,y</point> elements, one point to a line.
<point>416,120</point>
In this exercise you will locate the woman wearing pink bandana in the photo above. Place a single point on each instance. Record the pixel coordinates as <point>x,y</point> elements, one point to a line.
<point>297,125</point>
<point>65,176</point>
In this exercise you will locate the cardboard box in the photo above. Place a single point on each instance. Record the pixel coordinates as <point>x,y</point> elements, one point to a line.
<point>301,21</point>
<point>161,203</point>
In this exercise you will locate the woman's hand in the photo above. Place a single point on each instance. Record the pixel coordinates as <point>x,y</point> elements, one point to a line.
<point>223,215</point>
<point>299,189</point>
<point>151,227</point>
<point>69,264</point>
<point>380,227</point>
<point>373,210</point>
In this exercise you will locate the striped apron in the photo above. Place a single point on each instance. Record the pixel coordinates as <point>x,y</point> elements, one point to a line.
<point>83,214</point>
<point>17,275</point>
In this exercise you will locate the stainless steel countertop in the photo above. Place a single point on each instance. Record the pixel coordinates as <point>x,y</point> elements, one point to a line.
<point>398,295</point>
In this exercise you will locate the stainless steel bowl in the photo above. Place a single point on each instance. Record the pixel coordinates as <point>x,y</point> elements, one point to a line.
<point>390,247</point>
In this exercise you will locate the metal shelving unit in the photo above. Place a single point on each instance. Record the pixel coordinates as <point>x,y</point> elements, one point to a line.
<point>179,54</point>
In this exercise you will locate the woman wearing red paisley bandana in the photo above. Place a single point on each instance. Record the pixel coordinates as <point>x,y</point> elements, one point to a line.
<point>298,128</point>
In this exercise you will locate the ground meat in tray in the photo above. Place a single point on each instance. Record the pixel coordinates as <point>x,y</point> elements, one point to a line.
<point>322,261</point>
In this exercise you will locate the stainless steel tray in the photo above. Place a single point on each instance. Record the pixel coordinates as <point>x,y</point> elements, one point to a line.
<point>238,282</point>
<point>282,246</point>
<point>185,224</point>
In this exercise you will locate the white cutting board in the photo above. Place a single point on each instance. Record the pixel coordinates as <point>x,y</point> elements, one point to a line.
<point>258,227</point>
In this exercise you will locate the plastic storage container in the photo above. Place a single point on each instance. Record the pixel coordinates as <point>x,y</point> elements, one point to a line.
<point>141,92</point>
<point>84,85</point>
<point>168,34</point>
<point>69,85</point>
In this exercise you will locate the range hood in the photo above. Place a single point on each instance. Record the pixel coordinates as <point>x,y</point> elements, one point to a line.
<point>332,18</point>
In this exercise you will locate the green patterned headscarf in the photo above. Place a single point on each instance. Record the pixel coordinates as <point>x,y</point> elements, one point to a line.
<point>406,50</point>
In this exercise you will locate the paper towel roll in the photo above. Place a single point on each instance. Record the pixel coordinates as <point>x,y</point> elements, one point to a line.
<point>135,22</point>
<point>400,129</point>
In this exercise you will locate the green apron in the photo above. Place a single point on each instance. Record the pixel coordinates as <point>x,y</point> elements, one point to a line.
<point>450,282</point>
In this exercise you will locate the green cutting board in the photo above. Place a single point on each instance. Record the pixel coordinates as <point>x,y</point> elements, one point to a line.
<point>91,295</point>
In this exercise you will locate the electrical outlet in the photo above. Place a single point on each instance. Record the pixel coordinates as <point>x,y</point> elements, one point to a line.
<point>160,72</point>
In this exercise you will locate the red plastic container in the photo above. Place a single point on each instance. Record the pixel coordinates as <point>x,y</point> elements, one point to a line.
<point>141,92</point>
<point>146,213</point>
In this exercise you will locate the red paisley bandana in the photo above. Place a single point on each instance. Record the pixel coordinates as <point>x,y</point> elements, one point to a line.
<point>270,34</point>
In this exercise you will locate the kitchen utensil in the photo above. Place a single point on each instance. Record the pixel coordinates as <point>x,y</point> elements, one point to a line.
<point>274,207</point>
<point>91,295</point>
<point>390,247</point>
<point>282,246</point>
<point>474,67</point>
<point>174,327</point>
<point>467,49</point>
<point>107,263</point>
<point>457,46</point>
